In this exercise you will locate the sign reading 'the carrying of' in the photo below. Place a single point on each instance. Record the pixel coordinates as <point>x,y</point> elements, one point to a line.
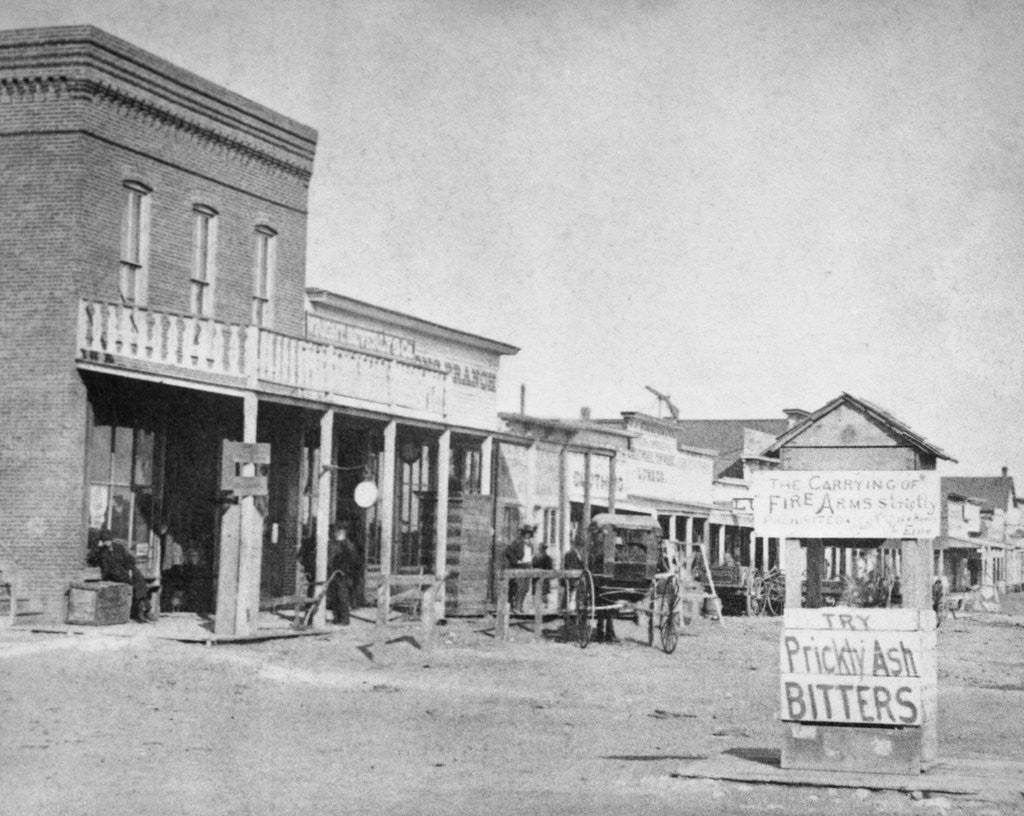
<point>846,504</point>
<point>857,666</point>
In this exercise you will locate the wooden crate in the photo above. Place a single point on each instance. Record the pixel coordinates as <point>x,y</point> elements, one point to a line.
<point>99,603</point>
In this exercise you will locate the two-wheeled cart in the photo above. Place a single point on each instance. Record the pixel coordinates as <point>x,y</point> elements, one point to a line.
<point>626,574</point>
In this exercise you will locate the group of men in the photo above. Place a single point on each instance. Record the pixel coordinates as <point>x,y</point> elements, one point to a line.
<point>520,555</point>
<point>344,565</point>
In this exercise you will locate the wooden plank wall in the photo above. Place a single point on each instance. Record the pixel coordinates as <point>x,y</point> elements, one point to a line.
<point>470,554</point>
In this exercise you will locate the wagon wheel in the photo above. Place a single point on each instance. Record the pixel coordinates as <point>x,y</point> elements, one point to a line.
<point>669,623</point>
<point>775,595</point>
<point>756,595</point>
<point>584,608</point>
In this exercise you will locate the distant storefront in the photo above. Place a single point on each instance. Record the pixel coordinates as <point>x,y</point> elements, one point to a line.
<point>415,413</point>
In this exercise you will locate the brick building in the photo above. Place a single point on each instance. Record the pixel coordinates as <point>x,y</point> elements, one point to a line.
<point>155,305</point>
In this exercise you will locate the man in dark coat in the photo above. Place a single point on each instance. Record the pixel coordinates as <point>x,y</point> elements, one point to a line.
<point>516,558</point>
<point>542,561</point>
<point>118,565</point>
<point>342,558</point>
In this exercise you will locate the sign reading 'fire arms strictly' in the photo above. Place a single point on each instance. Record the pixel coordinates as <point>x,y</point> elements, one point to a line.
<point>846,504</point>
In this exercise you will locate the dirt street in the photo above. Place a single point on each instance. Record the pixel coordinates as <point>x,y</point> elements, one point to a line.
<point>134,724</point>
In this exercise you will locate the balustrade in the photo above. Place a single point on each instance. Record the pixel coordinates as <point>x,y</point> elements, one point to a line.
<point>330,371</point>
<point>198,348</point>
<point>114,333</point>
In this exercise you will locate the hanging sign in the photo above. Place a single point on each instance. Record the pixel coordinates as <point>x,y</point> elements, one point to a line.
<point>245,468</point>
<point>846,504</point>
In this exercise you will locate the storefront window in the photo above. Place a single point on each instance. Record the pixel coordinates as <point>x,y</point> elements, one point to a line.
<point>549,531</point>
<point>120,467</point>
<point>511,518</point>
<point>415,509</point>
<point>465,469</point>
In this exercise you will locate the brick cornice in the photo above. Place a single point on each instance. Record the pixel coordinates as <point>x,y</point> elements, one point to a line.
<point>106,92</point>
<point>53,88</point>
<point>25,88</point>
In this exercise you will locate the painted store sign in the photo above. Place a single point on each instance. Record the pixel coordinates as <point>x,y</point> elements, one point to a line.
<point>467,374</point>
<point>600,478</point>
<point>655,468</point>
<point>846,504</point>
<point>856,666</point>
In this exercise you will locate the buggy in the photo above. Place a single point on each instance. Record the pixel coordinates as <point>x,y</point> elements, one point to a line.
<point>626,571</point>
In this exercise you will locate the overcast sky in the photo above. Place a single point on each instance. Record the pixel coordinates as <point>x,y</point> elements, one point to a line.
<point>750,206</point>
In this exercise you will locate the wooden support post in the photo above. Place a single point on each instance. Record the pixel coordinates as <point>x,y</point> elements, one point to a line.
<point>564,514</point>
<point>752,555</point>
<point>228,535</point>
<point>612,479</point>
<point>486,462</point>
<point>240,550</point>
<point>325,482</point>
<point>538,612</point>
<point>387,521</point>
<point>721,544</point>
<point>428,603</point>
<point>585,523</point>
<point>444,458</point>
<point>815,562</point>
<point>916,578</point>
<point>250,557</point>
<point>503,607</point>
<point>789,552</point>
<point>530,491</point>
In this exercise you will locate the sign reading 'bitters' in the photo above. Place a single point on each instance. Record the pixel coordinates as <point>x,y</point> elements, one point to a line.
<point>854,666</point>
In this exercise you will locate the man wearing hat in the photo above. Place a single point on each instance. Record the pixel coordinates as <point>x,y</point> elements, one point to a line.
<point>118,565</point>
<point>343,559</point>
<point>519,555</point>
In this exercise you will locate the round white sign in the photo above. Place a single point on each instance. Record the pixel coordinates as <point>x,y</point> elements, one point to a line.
<point>366,494</point>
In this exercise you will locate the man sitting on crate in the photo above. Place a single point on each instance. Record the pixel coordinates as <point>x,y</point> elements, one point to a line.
<point>118,565</point>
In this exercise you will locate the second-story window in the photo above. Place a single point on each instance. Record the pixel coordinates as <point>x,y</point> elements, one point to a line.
<point>263,280</point>
<point>135,244</point>
<point>204,244</point>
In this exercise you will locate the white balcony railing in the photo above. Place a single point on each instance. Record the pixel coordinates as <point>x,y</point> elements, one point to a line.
<point>330,371</point>
<point>113,333</point>
<point>202,349</point>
